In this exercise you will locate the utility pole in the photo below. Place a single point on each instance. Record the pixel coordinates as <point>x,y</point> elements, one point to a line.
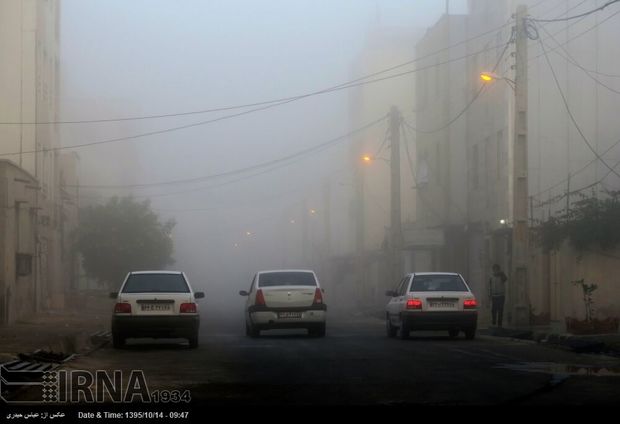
<point>360,232</point>
<point>568,195</point>
<point>396,235</point>
<point>327,200</point>
<point>305,248</point>
<point>327,232</point>
<point>520,232</point>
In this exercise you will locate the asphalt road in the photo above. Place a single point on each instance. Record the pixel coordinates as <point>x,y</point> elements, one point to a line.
<point>357,364</point>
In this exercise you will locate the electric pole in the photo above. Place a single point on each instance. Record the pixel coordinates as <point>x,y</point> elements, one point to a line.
<point>520,232</point>
<point>327,200</point>
<point>360,232</point>
<point>305,241</point>
<point>396,236</point>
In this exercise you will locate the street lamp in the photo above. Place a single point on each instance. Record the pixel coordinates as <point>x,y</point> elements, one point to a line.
<point>490,77</point>
<point>369,159</point>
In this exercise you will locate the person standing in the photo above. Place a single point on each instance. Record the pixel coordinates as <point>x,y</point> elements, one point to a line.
<point>497,293</point>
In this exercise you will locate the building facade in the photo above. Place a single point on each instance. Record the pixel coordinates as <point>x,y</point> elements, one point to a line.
<point>36,261</point>
<point>583,54</point>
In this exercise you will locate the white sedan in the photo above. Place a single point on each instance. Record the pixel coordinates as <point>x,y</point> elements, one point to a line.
<point>431,301</point>
<point>155,304</point>
<point>282,299</point>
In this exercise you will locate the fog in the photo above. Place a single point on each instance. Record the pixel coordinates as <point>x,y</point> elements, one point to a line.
<point>149,58</point>
<point>140,58</point>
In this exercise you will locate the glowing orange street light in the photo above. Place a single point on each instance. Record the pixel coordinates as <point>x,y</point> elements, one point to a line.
<point>367,158</point>
<point>489,77</point>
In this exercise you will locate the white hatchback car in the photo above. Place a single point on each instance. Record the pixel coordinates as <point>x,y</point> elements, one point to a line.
<point>155,304</point>
<point>431,301</point>
<point>282,299</point>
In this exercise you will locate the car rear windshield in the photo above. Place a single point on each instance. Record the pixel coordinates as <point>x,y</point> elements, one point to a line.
<point>437,283</point>
<point>271,279</point>
<point>156,283</point>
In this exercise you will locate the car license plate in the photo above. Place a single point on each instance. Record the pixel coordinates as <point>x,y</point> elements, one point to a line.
<point>289,315</point>
<point>148,307</point>
<point>442,304</point>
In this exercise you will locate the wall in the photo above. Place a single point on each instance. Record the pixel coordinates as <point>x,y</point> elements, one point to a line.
<point>18,205</point>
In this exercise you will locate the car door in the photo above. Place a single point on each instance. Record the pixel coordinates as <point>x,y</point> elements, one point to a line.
<point>401,299</point>
<point>393,304</point>
<point>251,296</point>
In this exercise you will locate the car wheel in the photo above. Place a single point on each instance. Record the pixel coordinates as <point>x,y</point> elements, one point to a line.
<point>389,328</point>
<point>403,331</point>
<point>317,331</point>
<point>453,333</point>
<point>251,331</point>
<point>193,341</point>
<point>470,333</point>
<point>117,341</point>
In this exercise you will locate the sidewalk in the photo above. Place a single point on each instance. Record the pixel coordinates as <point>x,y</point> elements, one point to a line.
<point>66,331</point>
<point>608,344</point>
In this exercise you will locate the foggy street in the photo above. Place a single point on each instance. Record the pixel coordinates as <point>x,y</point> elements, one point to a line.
<point>308,202</point>
<point>357,364</point>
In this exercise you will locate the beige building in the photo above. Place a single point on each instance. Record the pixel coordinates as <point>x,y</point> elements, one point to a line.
<point>484,135</point>
<point>29,99</point>
<point>369,209</point>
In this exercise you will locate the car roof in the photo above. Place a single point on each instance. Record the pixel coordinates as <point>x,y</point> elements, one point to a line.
<point>156,272</point>
<point>432,273</point>
<point>286,270</point>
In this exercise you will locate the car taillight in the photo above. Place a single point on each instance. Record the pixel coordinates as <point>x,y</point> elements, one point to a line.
<point>122,308</point>
<point>318,297</point>
<point>414,304</point>
<point>188,308</point>
<point>469,303</point>
<point>260,299</point>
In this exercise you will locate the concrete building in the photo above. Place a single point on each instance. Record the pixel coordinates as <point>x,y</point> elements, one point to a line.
<point>438,237</point>
<point>29,100</point>
<point>369,209</point>
<point>18,214</point>
<point>482,160</point>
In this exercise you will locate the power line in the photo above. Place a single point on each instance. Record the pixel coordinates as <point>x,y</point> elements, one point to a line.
<point>581,34</point>
<point>570,59</point>
<point>582,15</point>
<point>469,104</point>
<point>577,191</point>
<point>225,117</point>
<point>266,102</point>
<point>269,164</point>
<point>383,143</point>
<point>570,113</point>
<point>579,171</point>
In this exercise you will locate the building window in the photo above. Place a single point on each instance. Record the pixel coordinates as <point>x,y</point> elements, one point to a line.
<point>23,264</point>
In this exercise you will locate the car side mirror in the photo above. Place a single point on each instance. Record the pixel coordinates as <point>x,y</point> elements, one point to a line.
<point>243,293</point>
<point>322,290</point>
<point>390,293</point>
<point>113,295</point>
<point>199,295</point>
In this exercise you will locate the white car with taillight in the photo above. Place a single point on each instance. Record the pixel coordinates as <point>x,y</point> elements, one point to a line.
<point>155,304</point>
<point>282,299</point>
<point>431,301</point>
